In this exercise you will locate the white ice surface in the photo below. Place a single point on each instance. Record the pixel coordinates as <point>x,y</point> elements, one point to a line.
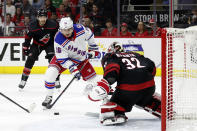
<point>73,107</point>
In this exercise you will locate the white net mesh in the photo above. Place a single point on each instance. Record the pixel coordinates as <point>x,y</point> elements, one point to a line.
<point>181,64</point>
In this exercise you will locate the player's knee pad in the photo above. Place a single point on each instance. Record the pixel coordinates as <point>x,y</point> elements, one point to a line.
<point>51,74</point>
<point>154,106</point>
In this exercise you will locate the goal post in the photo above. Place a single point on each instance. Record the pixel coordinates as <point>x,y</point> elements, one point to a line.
<point>179,79</point>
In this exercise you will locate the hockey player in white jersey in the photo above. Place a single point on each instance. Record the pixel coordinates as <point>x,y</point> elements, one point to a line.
<point>70,53</point>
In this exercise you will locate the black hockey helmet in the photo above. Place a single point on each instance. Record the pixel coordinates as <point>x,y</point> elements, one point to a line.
<point>41,12</point>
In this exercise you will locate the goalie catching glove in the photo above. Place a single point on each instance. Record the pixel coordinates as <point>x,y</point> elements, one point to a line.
<point>97,91</point>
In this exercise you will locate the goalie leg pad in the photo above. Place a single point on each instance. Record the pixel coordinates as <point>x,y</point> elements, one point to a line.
<point>108,116</point>
<point>154,106</point>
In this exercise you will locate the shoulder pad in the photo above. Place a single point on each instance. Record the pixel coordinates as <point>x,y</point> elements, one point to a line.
<point>78,27</point>
<point>59,38</point>
<point>106,58</point>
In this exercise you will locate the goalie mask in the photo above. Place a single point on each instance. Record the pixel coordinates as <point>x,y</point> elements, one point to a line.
<point>115,47</point>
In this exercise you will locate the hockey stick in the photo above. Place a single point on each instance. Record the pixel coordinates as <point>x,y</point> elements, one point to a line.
<point>51,105</point>
<point>32,106</point>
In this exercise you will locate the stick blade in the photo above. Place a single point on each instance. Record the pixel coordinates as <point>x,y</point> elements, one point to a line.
<point>32,107</point>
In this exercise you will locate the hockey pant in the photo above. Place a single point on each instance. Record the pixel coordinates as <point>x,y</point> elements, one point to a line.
<point>54,69</point>
<point>127,99</point>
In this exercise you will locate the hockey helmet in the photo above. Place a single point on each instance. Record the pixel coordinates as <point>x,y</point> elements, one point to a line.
<point>66,23</point>
<point>41,12</point>
<point>115,47</point>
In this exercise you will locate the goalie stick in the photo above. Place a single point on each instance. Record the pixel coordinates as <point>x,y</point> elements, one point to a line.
<point>29,110</point>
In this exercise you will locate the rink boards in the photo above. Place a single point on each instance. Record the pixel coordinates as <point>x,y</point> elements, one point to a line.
<point>12,59</point>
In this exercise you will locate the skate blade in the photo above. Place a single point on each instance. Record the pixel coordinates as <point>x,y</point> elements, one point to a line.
<point>20,90</point>
<point>110,122</point>
<point>45,108</point>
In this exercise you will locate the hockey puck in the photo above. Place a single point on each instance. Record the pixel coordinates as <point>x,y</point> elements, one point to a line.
<point>56,113</point>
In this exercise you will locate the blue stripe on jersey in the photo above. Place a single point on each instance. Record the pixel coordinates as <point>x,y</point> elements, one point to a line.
<point>80,33</point>
<point>93,47</point>
<point>61,40</point>
<point>75,61</point>
<point>90,36</point>
<point>62,61</point>
<point>65,42</point>
<point>79,29</point>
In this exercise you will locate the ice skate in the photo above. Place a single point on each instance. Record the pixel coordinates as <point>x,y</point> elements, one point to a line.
<point>118,119</point>
<point>47,101</point>
<point>21,85</point>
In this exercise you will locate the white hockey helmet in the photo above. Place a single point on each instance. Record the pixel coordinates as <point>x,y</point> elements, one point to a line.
<point>66,23</point>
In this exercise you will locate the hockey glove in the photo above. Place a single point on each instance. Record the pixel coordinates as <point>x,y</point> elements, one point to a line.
<point>98,91</point>
<point>25,50</point>
<point>75,72</point>
<point>91,55</point>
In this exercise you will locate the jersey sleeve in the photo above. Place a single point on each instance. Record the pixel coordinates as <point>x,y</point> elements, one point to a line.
<point>151,67</point>
<point>28,37</point>
<point>90,39</point>
<point>111,68</point>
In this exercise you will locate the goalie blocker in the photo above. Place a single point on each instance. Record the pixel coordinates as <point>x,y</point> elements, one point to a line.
<point>134,75</point>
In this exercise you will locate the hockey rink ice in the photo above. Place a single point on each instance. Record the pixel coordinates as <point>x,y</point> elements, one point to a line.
<point>76,112</point>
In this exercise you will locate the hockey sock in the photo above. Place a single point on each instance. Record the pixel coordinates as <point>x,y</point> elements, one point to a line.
<point>26,73</point>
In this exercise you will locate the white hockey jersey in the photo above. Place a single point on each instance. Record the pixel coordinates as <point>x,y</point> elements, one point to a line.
<point>74,50</point>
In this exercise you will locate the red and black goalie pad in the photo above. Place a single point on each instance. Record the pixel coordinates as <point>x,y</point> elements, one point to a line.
<point>154,105</point>
<point>111,106</point>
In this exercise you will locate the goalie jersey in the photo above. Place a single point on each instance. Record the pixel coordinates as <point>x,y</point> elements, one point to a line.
<point>132,71</point>
<point>74,50</point>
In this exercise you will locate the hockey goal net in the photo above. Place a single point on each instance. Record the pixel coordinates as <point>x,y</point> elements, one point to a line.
<point>179,79</point>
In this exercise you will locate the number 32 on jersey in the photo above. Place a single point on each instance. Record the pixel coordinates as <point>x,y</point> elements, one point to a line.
<point>132,63</point>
